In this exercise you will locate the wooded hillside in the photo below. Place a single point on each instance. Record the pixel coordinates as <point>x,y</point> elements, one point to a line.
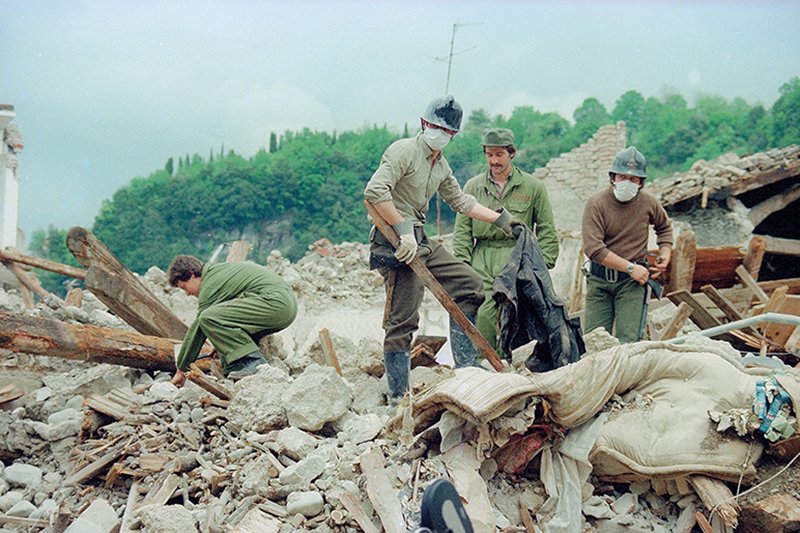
<point>308,185</point>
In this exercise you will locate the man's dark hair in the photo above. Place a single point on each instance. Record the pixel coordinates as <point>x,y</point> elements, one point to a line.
<point>182,268</point>
<point>511,149</point>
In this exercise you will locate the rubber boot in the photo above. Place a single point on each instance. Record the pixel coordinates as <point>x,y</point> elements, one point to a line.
<point>398,366</point>
<point>247,365</point>
<point>464,352</point>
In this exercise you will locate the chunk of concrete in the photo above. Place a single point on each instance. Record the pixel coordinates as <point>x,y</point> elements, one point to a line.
<point>363,428</point>
<point>317,396</point>
<point>22,474</point>
<point>306,503</point>
<point>21,509</point>
<point>10,499</point>
<point>99,517</point>
<point>303,472</point>
<point>295,443</point>
<point>257,403</point>
<point>168,519</point>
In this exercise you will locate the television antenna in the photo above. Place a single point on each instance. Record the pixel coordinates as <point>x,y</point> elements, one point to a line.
<point>450,56</point>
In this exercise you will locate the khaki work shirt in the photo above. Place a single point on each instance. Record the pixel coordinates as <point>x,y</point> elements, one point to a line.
<point>409,176</point>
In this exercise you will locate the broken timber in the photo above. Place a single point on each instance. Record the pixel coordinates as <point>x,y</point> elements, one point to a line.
<point>439,292</point>
<point>44,336</point>
<point>118,288</point>
<point>44,264</point>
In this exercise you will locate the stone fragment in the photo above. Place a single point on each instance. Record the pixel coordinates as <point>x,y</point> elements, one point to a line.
<point>306,503</point>
<point>22,474</point>
<point>99,517</point>
<point>304,471</point>
<point>295,443</point>
<point>168,519</point>
<point>257,403</point>
<point>625,504</point>
<point>317,396</point>
<point>363,428</point>
<point>22,509</point>
<point>777,513</point>
<point>255,475</point>
<point>10,499</point>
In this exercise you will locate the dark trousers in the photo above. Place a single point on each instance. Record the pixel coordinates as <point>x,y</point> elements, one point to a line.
<point>460,280</point>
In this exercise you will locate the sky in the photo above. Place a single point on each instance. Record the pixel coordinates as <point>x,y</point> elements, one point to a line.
<point>105,92</point>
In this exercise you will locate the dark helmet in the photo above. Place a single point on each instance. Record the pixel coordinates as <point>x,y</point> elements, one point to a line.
<point>629,162</point>
<point>445,112</point>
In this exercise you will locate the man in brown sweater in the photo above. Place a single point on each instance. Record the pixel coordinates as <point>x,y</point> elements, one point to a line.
<point>616,224</point>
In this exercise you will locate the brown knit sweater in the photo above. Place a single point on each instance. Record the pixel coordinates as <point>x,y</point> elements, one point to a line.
<point>622,227</point>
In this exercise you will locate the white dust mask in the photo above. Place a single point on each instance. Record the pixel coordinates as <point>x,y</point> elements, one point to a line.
<point>625,190</point>
<point>436,139</point>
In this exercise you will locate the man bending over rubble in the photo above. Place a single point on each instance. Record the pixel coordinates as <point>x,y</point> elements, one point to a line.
<point>410,173</point>
<point>239,303</point>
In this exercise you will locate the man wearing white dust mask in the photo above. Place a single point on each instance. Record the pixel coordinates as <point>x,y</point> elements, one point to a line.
<point>616,225</point>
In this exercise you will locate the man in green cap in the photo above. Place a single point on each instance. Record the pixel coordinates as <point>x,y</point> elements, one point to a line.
<point>483,245</point>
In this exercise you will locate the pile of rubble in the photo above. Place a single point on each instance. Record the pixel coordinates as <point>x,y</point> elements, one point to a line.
<point>306,445</point>
<point>721,173</point>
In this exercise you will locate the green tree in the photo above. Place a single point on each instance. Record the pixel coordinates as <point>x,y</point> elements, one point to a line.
<point>52,245</point>
<point>169,166</point>
<point>786,114</point>
<point>630,108</point>
<point>588,119</point>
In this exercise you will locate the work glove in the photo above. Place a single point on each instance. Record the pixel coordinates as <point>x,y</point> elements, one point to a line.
<point>408,243</point>
<point>511,225</point>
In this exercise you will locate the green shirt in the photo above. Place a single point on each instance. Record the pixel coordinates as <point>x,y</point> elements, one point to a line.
<point>525,197</point>
<point>409,176</point>
<point>221,282</point>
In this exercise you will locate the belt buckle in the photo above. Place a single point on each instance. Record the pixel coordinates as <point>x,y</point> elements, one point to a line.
<point>611,275</point>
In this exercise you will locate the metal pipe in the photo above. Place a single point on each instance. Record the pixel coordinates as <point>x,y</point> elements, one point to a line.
<point>778,318</point>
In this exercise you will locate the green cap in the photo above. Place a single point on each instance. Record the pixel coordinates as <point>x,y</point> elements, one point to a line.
<point>498,137</point>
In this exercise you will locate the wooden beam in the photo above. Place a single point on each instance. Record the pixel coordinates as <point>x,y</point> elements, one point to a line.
<point>773,204</point>
<point>682,265</point>
<point>780,246</point>
<point>196,376</point>
<point>44,336</point>
<point>751,284</point>
<point>118,288</point>
<point>29,281</point>
<point>678,318</point>
<point>439,292</point>
<point>727,308</point>
<point>328,351</point>
<point>44,264</point>
<point>765,178</point>
<point>239,251</point>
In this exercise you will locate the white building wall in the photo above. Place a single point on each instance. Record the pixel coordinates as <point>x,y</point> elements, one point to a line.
<point>9,180</point>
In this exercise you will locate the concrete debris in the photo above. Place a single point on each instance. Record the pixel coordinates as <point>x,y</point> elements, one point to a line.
<point>298,446</point>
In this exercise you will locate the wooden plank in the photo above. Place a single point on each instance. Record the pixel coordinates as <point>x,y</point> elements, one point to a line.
<point>678,318</point>
<point>54,338</point>
<point>716,266</point>
<point>354,508</point>
<point>164,492</point>
<point>108,407</point>
<point>44,264</point>
<point>122,291</point>
<point>773,204</point>
<point>30,281</point>
<point>724,305</point>
<point>327,350</point>
<point>95,467</point>
<point>378,488</point>
<point>751,284</point>
<point>196,376</point>
<point>239,251</point>
<point>700,314</point>
<point>755,255</point>
<point>780,246</point>
<point>765,178</point>
<point>682,264</point>
<point>439,292</point>
<point>27,523</point>
<point>792,283</point>
<point>781,333</point>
